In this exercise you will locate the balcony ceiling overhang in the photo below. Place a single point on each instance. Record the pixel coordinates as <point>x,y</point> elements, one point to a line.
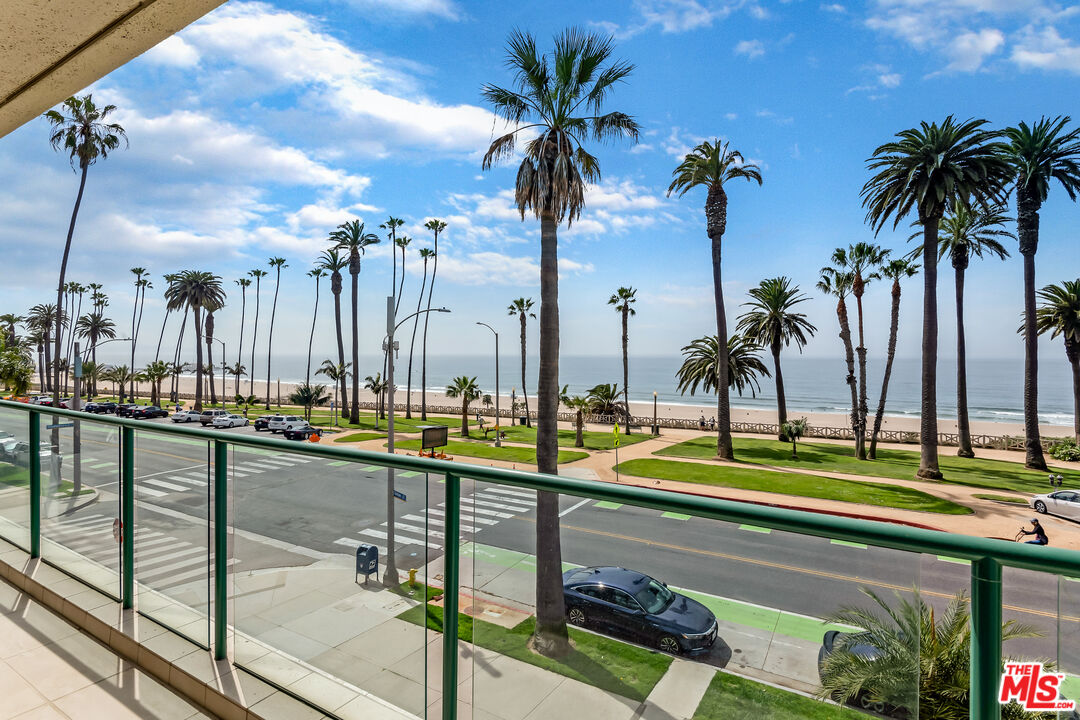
<point>51,49</point>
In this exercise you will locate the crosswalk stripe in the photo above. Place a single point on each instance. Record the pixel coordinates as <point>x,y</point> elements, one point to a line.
<point>464,526</point>
<point>189,480</point>
<point>174,580</point>
<point>281,462</point>
<point>167,485</point>
<point>82,520</point>
<point>141,490</point>
<point>259,466</point>
<point>493,513</point>
<point>403,539</point>
<point>142,545</point>
<point>518,501</point>
<point>102,465</point>
<point>414,528</point>
<point>417,518</point>
<point>187,553</point>
<point>163,550</point>
<point>505,491</point>
<point>354,543</point>
<point>501,506</point>
<point>465,516</point>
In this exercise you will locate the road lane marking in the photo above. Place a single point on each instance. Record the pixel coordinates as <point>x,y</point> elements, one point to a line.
<point>422,531</point>
<point>607,505</point>
<point>572,508</point>
<point>102,465</point>
<point>500,506</point>
<point>408,474</point>
<point>958,561</point>
<point>755,528</point>
<point>142,490</point>
<point>507,491</point>
<point>847,543</point>
<point>371,468</point>
<point>167,485</point>
<point>339,463</point>
<point>403,539</point>
<point>675,516</point>
<point>188,480</point>
<point>520,501</point>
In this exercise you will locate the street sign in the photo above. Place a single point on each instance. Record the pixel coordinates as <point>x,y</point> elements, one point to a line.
<point>615,432</point>
<point>399,495</point>
<point>433,436</point>
<point>59,425</point>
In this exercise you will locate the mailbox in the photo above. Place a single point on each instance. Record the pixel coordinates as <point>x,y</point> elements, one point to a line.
<point>367,561</point>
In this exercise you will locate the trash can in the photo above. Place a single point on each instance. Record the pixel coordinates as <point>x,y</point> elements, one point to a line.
<point>367,561</point>
<point>523,420</point>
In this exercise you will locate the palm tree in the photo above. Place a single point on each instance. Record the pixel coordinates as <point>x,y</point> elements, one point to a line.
<point>377,386</point>
<point>309,396</point>
<point>711,165</point>
<point>337,374</point>
<point>91,372</point>
<point>169,279</point>
<point>332,261</point>
<point>702,358</point>
<point>237,371</point>
<point>522,307</point>
<point>579,404</point>
<point>928,169</point>
<point>258,275</point>
<point>436,226</point>
<point>391,225</point>
<point>425,254</point>
<point>316,273</point>
<point>277,263</point>
<point>792,431</point>
<point>922,659</point>
<point>138,272</point>
<point>862,260</point>
<point>464,387</point>
<point>10,320</point>
<point>772,322</point>
<point>835,282</point>
<point>894,270</point>
<point>965,232</point>
<point>154,373</point>
<point>79,290</point>
<point>550,92</point>
<point>93,327</point>
<point>603,399</point>
<point>1037,155</point>
<point>44,318</point>
<point>352,237</point>
<point>211,307</point>
<point>246,402</point>
<point>177,365</point>
<point>82,131</point>
<point>198,290</point>
<point>123,377</point>
<point>1059,314</point>
<point>244,284</point>
<point>623,300</point>
<point>401,242</point>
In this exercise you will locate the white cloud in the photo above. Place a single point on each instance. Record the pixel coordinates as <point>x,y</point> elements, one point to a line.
<point>441,8</point>
<point>889,80</point>
<point>731,116</point>
<point>173,51</point>
<point>967,51</point>
<point>750,48</point>
<point>679,143</point>
<point>1046,50</point>
<point>495,268</point>
<point>834,8</point>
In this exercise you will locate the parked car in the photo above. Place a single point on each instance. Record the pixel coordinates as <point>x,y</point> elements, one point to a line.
<point>628,603</point>
<point>41,400</point>
<point>65,403</point>
<point>263,422</point>
<point>125,409</point>
<point>285,422</point>
<point>208,416</point>
<point>862,645</point>
<point>230,421</point>
<point>8,443</point>
<point>100,408</point>
<point>301,432</point>
<point>148,412</point>
<point>187,416</point>
<point>1065,503</point>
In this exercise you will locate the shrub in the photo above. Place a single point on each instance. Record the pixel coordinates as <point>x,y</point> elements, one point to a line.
<point>1065,449</point>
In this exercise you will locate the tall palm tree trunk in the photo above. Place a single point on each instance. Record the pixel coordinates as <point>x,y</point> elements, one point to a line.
<point>198,360</point>
<point>210,359</point>
<point>626,365</point>
<point>41,365</point>
<point>928,427</point>
<point>55,440</point>
<point>849,357</point>
<point>1027,226</point>
<point>340,350</point>
<point>724,448</point>
<point>963,426</point>
<point>270,338</point>
<point>1072,352</point>
<point>524,392</point>
<point>254,341</point>
<point>781,398</point>
<point>894,324</point>
<point>412,343</point>
<point>860,352</point>
<point>175,392</point>
<point>161,337</point>
<point>423,349</point>
<point>311,338</point>
<point>551,637</point>
<point>240,350</point>
<point>354,410</point>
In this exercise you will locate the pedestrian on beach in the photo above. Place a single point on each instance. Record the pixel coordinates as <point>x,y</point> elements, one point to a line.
<point>712,423</point>
<point>1037,531</point>
<point>701,422</point>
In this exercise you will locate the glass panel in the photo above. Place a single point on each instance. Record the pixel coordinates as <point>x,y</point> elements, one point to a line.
<point>15,477</point>
<point>173,480</point>
<point>755,613</point>
<point>1033,599</point>
<point>77,530</point>
<point>1068,638</point>
<point>304,617</point>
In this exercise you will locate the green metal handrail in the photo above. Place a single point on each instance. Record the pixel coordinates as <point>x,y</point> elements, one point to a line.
<point>987,556</point>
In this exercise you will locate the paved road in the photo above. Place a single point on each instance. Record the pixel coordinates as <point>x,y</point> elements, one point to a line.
<point>285,506</point>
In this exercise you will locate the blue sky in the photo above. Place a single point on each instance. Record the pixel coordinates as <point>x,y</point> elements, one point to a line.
<point>261,127</point>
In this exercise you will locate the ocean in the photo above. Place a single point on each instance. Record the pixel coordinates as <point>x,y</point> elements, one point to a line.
<point>995,387</point>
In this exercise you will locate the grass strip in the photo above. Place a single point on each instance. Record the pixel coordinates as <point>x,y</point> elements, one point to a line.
<point>897,464</point>
<point>813,486</point>
<point>599,661</point>
<point>1003,498</point>
<point>730,697</point>
<point>490,452</point>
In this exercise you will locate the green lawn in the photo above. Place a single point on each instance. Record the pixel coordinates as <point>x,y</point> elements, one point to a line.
<point>899,464</point>
<point>367,422</point>
<point>730,697</point>
<point>599,661</point>
<point>814,486</point>
<point>1003,498</point>
<point>490,452</point>
<point>359,437</point>
<point>594,439</point>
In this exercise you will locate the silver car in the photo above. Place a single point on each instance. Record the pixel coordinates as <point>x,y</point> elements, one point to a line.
<point>186,416</point>
<point>1065,503</point>
<point>230,421</point>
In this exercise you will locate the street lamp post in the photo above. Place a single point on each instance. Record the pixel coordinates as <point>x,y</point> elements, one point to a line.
<point>224,355</point>
<point>655,425</point>
<point>513,405</point>
<point>390,577</point>
<point>498,441</point>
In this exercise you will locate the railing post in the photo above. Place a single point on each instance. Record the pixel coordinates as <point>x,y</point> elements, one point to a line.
<point>451,587</point>
<point>221,548</point>
<point>985,639</point>
<point>35,484</point>
<point>127,516</point>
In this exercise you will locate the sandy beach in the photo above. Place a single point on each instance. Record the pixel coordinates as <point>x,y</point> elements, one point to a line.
<point>905,423</point>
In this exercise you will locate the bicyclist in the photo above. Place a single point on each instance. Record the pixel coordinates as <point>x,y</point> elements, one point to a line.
<point>1037,531</point>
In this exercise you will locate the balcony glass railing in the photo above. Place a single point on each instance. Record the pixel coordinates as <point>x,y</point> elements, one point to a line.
<point>265,551</point>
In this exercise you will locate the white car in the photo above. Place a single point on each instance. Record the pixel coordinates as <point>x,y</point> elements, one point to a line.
<point>1065,503</point>
<point>280,423</point>
<point>186,416</point>
<point>230,421</point>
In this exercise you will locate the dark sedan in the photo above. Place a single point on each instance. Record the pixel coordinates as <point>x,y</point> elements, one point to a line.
<point>262,423</point>
<point>301,433</point>
<point>628,603</point>
<point>125,409</point>
<point>100,408</point>
<point>148,412</point>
